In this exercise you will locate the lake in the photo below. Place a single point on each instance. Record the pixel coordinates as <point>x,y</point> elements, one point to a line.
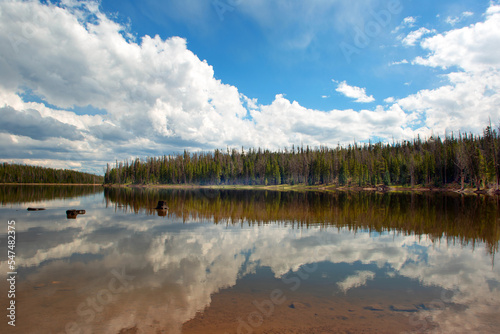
<point>238,261</point>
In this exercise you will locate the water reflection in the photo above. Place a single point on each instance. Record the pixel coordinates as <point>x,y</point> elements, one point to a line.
<point>10,194</point>
<point>463,219</point>
<point>342,262</point>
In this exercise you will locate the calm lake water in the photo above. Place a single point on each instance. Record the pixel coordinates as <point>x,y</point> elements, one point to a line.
<point>250,262</point>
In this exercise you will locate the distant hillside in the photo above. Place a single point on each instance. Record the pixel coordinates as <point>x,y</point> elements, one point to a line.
<point>16,173</point>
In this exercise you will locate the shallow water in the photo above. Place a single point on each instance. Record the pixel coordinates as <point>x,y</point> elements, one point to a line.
<point>251,262</point>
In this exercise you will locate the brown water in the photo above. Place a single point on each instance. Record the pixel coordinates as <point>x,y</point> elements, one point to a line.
<point>251,262</point>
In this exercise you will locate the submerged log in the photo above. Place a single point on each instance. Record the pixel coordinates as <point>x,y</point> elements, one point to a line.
<point>36,209</point>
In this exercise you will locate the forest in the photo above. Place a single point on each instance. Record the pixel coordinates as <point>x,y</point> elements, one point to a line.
<point>18,173</point>
<point>463,160</point>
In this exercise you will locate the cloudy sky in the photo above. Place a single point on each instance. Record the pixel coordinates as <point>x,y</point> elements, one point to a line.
<point>83,83</point>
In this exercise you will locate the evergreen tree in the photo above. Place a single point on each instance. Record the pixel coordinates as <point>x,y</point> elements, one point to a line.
<point>467,160</point>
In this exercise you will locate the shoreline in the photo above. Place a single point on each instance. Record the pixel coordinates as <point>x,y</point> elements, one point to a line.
<point>324,188</point>
<point>51,184</point>
<point>284,187</point>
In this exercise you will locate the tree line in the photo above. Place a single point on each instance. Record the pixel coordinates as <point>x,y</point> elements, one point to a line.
<point>462,160</point>
<point>18,173</point>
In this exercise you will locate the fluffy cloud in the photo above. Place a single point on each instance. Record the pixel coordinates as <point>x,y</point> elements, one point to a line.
<point>408,22</point>
<point>471,97</point>
<point>354,92</point>
<point>413,37</point>
<point>456,19</point>
<point>473,48</point>
<point>289,121</point>
<point>466,103</point>
<point>155,89</point>
<point>31,124</point>
<point>156,95</point>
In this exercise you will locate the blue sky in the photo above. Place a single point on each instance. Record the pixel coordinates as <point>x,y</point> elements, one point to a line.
<point>260,62</point>
<point>140,78</point>
<point>265,58</point>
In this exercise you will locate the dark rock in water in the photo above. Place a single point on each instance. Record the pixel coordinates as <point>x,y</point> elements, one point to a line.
<point>404,308</point>
<point>71,214</point>
<point>132,330</point>
<point>373,308</point>
<point>36,209</point>
<point>298,305</point>
<point>162,205</point>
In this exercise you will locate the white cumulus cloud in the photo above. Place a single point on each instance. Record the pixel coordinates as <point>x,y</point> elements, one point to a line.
<point>354,92</point>
<point>413,37</point>
<point>157,97</point>
<point>472,48</point>
<point>408,22</point>
<point>471,97</point>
